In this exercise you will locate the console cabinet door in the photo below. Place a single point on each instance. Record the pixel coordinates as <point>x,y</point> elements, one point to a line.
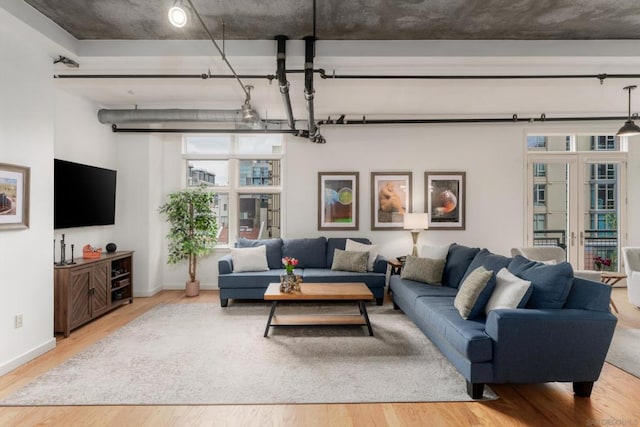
<point>101,286</point>
<point>79,286</point>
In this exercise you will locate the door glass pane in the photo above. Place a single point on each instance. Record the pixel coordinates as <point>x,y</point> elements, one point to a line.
<point>601,217</point>
<point>259,216</point>
<point>550,206</point>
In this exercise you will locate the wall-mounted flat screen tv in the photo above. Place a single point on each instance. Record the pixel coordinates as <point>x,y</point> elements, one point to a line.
<point>83,195</point>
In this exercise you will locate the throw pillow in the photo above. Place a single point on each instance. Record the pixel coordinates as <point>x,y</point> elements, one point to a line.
<point>510,292</point>
<point>360,247</point>
<point>249,259</point>
<point>458,259</point>
<point>467,297</point>
<point>434,252</point>
<point>424,270</point>
<point>550,283</point>
<point>274,249</point>
<point>491,262</point>
<point>350,261</point>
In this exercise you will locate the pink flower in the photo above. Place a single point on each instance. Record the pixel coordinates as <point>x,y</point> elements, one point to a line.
<point>289,263</point>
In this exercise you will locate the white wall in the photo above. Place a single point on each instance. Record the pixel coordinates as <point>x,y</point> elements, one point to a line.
<point>26,139</point>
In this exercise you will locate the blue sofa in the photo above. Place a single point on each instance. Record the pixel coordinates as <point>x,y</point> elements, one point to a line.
<point>562,334</point>
<point>315,256</point>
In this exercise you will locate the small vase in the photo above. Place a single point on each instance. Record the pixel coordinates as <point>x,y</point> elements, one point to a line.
<point>290,283</point>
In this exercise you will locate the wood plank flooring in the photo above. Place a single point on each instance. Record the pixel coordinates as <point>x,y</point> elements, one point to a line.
<point>614,400</point>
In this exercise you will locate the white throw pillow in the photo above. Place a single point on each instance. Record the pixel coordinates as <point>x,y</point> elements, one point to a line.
<point>509,291</point>
<point>354,246</point>
<point>249,259</point>
<point>434,251</point>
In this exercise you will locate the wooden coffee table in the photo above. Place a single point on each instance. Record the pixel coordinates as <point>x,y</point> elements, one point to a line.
<point>357,292</point>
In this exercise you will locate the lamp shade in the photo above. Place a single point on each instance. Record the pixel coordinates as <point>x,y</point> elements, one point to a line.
<point>416,221</point>
<point>628,129</point>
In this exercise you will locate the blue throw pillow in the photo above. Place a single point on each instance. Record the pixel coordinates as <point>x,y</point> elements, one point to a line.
<point>274,249</point>
<point>310,253</point>
<point>458,259</point>
<point>550,283</point>
<point>491,262</point>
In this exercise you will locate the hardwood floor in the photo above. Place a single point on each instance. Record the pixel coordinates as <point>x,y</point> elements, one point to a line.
<point>614,400</point>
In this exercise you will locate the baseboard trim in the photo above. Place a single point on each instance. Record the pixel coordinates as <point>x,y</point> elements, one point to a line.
<point>48,345</point>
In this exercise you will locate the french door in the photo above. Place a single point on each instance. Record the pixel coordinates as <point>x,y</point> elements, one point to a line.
<point>578,201</point>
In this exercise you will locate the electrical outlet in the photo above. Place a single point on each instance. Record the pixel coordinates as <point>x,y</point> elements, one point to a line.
<point>19,319</point>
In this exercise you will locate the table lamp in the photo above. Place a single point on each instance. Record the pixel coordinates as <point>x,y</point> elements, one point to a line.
<point>416,222</point>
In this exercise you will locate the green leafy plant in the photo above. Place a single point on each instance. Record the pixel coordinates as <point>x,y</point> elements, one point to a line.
<point>194,226</point>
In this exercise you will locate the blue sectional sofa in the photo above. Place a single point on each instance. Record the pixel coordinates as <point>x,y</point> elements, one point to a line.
<point>315,256</point>
<point>562,334</point>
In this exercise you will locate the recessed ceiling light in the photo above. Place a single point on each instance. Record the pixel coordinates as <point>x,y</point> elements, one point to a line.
<point>178,16</point>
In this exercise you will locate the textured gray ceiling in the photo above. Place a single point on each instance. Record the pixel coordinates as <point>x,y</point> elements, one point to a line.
<point>352,19</point>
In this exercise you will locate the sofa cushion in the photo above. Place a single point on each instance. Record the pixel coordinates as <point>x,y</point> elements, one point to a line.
<point>458,260</point>
<point>468,301</point>
<point>550,283</point>
<point>250,279</point>
<point>249,259</point>
<point>425,270</point>
<point>324,275</point>
<point>334,243</point>
<point>466,336</point>
<point>372,250</point>
<point>510,292</point>
<point>350,261</point>
<point>274,249</point>
<point>311,253</point>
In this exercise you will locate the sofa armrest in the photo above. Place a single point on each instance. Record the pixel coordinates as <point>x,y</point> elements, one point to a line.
<point>539,345</point>
<point>225,265</point>
<point>380,264</point>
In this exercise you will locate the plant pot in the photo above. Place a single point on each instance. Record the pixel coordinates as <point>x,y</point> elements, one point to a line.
<point>192,289</point>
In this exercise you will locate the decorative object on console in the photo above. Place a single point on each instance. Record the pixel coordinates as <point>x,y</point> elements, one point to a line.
<point>14,197</point>
<point>111,247</point>
<point>89,252</point>
<point>390,199</point>
<point>193,231</point>
<point>338,200</point>
<point>416,222</point>
<point>445,199</point>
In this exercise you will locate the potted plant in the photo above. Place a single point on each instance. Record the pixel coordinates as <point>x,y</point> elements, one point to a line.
<point>193,232</point>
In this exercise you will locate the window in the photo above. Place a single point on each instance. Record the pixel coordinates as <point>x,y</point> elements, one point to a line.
<point>603,171</point>
<point>539,194</point>
<point>603,142</point>
<point>539,222</point>
<point>536,141</point>
<point>539,170</point>
<point>244,172</point>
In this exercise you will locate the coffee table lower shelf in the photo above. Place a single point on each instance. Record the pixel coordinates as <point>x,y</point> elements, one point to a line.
<point>319,292</point>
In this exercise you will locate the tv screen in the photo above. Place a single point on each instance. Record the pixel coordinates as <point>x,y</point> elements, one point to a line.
<point>83,195</point>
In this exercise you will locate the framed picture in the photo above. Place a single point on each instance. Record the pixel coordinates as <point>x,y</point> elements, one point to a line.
<point>445,199</point>
<point>14,197</point>
<point>390,199</point>
<point>338,200</point>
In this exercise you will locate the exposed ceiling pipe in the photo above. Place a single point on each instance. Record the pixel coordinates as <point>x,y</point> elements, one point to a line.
<point>341,121</point>
<point>281,72</point>
<point>240,117</point>
<point>117,129</point>
<point>203,76</point>
<point>309,91</point>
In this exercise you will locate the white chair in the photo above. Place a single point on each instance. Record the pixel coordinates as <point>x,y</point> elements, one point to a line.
<point>631,258</point>
<point>554,253</point>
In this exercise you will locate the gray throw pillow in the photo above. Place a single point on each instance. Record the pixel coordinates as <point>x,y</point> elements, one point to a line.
<point>350,261</point>
<point>470,290</point>
<point>424,270</point>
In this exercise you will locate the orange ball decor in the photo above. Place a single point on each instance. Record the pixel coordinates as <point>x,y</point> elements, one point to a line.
<point>448,201</point>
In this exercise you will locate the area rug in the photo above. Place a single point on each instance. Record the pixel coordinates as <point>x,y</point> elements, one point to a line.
<point>624,350</point>
<point>198,354</point>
